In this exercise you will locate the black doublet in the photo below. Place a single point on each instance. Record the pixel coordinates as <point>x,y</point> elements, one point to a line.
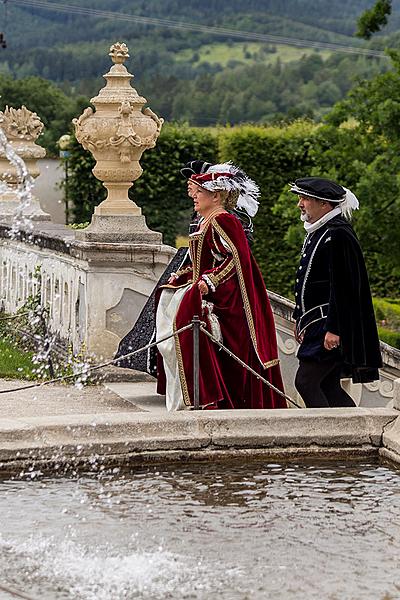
<point>312,288</point>
<point>332,294</point>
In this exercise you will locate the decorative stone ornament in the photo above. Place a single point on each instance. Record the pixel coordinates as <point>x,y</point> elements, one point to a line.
<point>117,134</point>
<point>21,128</point>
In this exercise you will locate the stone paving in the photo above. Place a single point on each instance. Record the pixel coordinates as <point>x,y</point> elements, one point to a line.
<point>126,421</point>
<point>58,400</point>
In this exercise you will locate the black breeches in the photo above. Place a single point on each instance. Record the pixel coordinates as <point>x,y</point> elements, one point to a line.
<point>318,383</point>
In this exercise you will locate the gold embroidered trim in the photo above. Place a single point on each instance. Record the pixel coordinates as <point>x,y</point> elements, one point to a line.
<point>246,303</point>
<point>183,271</point>
<point>175,287</point>
<point>219,276</point>
<point>196,247</point>
<point>182,377</point>
<point>271,363</point>
<point>214,240</point>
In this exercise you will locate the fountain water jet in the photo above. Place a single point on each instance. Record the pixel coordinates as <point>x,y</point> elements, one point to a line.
<point>20,129</point>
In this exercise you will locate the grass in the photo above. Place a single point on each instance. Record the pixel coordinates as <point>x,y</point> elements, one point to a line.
<point>389,337</point>
<point>15,363</point>
<point>245,53</point>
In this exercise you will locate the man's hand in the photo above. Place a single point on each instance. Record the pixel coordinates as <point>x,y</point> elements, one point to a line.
<point>203,287</point>
<point>331,341</point>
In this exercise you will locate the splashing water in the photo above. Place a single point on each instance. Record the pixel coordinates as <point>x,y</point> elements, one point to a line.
<point>87,573</point>
<point>21,219</point>
<point>22,222</point>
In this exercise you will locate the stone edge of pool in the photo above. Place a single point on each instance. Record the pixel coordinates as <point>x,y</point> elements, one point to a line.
<point>96,441</point>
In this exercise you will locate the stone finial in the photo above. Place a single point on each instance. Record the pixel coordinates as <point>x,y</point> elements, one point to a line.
<point>119,52</point>
<point>21,124</point>
<point>21,127</point>
<point>117,133</point>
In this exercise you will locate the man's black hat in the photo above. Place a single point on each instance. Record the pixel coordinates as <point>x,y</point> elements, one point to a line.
<point>318,187</point>
<point>195,167</point>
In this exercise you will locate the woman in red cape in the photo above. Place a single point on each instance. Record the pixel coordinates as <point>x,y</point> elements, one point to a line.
<point>221,283</point>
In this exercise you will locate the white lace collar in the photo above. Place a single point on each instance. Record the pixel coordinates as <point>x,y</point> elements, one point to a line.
<point>311,227</point>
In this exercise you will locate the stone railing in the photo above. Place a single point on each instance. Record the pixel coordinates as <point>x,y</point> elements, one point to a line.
<point>94,292</point>
<point>94,281</point>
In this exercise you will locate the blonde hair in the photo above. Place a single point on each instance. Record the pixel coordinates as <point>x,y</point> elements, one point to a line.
<point>229,199</point>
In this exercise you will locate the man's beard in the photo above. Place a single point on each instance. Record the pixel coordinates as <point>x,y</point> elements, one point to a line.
<point>305,217</point>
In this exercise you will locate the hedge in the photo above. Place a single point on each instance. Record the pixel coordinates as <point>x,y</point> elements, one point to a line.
<point>389,337</point>
<point>272,156</point>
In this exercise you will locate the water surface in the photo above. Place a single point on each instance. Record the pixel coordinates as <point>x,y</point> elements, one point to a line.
<point>228,531</point>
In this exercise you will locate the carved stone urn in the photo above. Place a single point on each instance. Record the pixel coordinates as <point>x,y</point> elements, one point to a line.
<point>117,134</point>
<point>21,128</point>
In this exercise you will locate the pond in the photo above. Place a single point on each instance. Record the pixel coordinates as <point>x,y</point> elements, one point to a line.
<point>230,531</point>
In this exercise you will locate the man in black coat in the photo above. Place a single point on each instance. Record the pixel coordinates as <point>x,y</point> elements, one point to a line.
<point>335,321</point>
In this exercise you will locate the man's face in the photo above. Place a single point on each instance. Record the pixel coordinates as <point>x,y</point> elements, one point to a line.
<point>191,188</point>
<point>312,209</point>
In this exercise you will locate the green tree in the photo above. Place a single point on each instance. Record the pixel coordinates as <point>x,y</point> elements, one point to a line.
<point>55,108</point>
<point>374,19</point>
<point>360,147</point>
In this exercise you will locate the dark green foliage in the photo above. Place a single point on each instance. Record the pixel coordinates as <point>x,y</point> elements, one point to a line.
<point>374,19</point>
<point>260,93</point>
<point>55,109</point>
<point>387,313</point>
<point>81,189</point>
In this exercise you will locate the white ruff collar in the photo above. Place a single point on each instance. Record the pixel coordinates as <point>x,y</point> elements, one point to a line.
<point>311,227</point>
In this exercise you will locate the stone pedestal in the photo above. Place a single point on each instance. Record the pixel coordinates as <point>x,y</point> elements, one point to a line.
<point>9,209</point>
<point>119,228</point>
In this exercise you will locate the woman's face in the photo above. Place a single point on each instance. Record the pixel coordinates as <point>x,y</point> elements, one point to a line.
<point>204,201</point>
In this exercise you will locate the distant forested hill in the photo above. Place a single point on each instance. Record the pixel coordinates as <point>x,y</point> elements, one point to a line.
<point>200,77</point>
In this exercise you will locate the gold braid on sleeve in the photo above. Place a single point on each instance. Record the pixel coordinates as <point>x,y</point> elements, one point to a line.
<point>217,277</point>
<point>183,271</point>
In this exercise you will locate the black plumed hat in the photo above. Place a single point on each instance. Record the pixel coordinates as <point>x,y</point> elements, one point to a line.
<point>195,167</point>
<point>318,187</point>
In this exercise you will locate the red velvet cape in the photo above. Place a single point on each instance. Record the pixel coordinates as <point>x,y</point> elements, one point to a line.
<point>242,307</point>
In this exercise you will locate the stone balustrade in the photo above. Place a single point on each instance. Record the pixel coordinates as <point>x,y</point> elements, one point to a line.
<point>94,292</point>
<point>377,393</point>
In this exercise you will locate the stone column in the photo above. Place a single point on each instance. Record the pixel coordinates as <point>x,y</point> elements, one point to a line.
<point>117,134</point>
<point>21,127</point>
